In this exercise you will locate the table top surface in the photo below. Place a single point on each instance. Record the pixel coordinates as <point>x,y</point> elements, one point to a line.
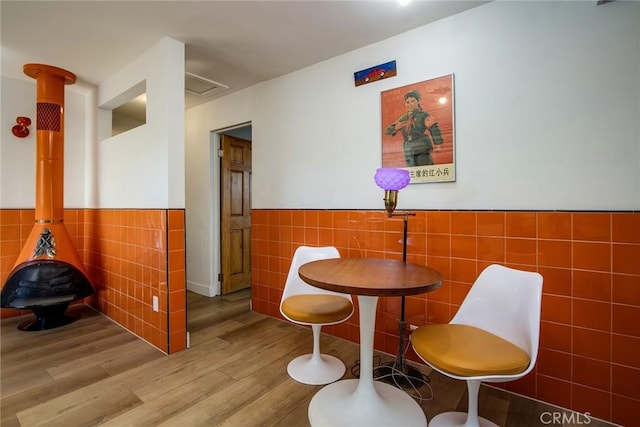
<point>370,276</point>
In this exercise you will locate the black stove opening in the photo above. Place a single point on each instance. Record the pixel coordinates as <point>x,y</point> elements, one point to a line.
<point>46,287</point>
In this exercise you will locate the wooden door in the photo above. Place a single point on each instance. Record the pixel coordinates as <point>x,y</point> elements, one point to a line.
<point>235,214</point>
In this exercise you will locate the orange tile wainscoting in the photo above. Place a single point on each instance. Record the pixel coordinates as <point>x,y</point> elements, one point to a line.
<point>589,357</point>
<point>590,333</point>
<point>130,256</point>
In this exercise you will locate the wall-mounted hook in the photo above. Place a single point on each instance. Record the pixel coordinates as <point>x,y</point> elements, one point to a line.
<point>21,130</point>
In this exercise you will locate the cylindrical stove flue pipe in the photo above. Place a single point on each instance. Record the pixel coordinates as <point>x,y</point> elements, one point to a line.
<point>50,139</point>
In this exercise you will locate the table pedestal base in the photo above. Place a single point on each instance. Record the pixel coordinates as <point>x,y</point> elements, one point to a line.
<point>455,419</point>
<point>343,403</point>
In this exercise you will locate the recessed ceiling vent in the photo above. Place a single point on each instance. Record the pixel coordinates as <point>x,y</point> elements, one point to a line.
<point>201,86</point>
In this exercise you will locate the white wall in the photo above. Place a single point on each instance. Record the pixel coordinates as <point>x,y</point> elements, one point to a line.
<point>18,155</point>
<point>144,167</point>
<point>547,106</point>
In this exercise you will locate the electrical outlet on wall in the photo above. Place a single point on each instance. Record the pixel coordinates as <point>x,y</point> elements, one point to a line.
<point>155,303</point>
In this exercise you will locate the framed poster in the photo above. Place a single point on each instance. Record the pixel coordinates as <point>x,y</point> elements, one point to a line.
<point>418,130</point>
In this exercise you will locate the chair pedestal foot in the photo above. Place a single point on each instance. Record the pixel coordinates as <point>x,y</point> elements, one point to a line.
<point>453,419</point>
<point>316,371</point>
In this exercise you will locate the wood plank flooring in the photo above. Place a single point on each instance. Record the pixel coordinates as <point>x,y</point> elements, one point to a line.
<point>93,372</point>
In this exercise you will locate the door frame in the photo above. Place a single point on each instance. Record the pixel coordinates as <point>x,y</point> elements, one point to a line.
<point>215,206</point>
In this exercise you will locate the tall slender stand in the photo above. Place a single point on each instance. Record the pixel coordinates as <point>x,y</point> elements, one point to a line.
<point>398,372</point>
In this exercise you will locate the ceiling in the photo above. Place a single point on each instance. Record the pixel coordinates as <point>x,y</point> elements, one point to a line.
<point>234,43</point>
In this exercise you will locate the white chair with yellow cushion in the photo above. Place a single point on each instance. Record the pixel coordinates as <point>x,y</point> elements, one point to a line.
<point>493,337</point>
<point>304,304</point>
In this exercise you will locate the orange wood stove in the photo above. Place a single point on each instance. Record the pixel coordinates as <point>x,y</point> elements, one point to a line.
<point>48,274</point>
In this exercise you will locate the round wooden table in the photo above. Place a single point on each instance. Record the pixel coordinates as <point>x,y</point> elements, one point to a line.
<point>364,402</point>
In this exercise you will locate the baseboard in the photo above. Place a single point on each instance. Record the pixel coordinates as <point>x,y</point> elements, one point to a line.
<point>199,288</point>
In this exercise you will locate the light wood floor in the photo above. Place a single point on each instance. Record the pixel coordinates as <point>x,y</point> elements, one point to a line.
<point>93,372</point>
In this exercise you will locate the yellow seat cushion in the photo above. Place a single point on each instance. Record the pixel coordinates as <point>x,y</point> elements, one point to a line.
<point>314,308</point>
<point>467,351</point>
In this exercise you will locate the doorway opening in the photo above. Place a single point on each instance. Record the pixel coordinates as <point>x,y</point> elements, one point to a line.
<point>231,209</point>
<point>213,303</point>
